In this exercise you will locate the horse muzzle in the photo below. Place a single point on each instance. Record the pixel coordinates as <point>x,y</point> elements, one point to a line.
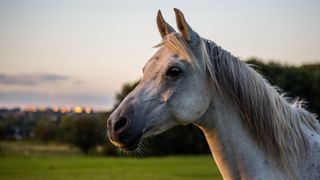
<point>121,132</point>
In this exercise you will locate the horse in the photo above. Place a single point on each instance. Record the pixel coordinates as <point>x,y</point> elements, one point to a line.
<point>252,130</point>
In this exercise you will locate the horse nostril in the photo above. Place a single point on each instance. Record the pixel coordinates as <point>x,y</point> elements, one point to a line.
<point>120,125</point>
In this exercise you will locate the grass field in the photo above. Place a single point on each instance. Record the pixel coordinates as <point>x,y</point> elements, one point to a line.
<point>25,160</point>
<point>44,167</point>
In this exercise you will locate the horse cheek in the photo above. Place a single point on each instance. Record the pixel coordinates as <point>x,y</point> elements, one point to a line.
<point>190,107</point>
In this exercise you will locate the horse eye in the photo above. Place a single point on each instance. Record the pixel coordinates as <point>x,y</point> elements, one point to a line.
<point>173,72</point>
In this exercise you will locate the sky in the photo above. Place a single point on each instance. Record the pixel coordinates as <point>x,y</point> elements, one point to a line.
<point>77,52</point>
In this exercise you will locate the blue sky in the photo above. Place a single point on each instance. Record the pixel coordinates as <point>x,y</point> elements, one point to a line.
<point>90,48</point>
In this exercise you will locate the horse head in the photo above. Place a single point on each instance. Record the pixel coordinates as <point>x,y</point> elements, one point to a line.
<point>174,88</point>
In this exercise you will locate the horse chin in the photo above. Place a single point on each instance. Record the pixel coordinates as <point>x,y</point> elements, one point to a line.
<point>157,129</point>
<point>133,144</point>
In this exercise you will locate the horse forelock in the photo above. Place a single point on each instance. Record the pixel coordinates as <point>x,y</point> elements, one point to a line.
<point>177,45</point>
<point>276,124</point>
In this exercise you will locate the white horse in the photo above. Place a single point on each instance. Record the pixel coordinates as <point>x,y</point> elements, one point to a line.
<point>252,131</point>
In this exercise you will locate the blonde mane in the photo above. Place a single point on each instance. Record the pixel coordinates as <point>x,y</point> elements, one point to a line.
<point>276,124</point>
<point>177,45</point>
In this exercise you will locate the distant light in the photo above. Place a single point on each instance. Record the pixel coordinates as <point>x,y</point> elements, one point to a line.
<point>66,109</point>
<point>42,108</point>
<point>77,109</point>
<point>63,110</point>
<point>31,109</point>
<point>88,110</point>
<point>55,109</point>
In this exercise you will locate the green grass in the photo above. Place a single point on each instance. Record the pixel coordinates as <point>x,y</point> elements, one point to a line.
<point>46,167</point>
<point>36,148</point>
<point>46,161</point>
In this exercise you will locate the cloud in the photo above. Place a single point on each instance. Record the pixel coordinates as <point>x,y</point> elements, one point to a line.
<point>20,98</point>
<point>31,79</point>
<point>77,81</point>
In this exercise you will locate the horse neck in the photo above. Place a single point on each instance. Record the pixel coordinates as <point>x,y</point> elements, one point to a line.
<point>279,127</point>
<point>234,149</point>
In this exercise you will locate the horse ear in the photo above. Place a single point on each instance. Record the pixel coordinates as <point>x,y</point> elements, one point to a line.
<point>184,28</point>
<point>163,26</point>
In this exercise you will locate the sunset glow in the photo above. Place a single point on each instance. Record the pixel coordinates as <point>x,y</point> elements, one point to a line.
<point>72,53</point>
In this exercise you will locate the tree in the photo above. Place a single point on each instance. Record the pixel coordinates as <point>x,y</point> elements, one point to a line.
<point>65,130</point>
<point>87,132</point>
<point>45,130</point>
<point>2,131</point>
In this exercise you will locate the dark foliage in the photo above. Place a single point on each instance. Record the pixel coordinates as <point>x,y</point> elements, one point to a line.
<point>86,132</point>
<point>178,140</point>
<point>2,131</point>
<point>45,130</point>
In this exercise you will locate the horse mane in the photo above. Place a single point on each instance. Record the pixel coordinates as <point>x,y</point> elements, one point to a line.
<point>176,44</point>
<point>276,124</point>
